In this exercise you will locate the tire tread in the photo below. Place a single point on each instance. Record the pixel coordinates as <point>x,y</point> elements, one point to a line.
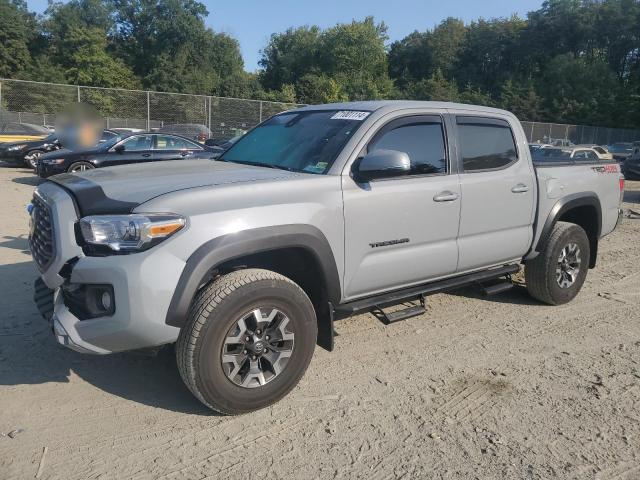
<point>207,299</point>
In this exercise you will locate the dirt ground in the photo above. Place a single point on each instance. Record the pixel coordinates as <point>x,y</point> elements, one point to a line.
<point>499,387</point>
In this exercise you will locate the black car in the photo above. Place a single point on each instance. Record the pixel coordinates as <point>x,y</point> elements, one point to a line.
<point>620,151</point>
<point>27,152</point>
<point>134,148</point>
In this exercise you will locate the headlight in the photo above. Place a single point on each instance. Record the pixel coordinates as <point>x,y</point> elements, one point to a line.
<point>130,233</point>
<point>52,161</point>
<point>13,148</point>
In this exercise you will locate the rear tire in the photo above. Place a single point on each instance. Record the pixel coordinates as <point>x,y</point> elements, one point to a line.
<point>557,274</point>
<point>80,167</point>
<point>220,367</point>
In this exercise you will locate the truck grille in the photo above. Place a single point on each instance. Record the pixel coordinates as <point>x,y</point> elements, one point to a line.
<point>41,234</point>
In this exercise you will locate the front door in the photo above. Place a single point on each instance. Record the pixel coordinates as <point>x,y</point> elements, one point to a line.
<point>402,231</point>
<point>498,190</point>
<point>133,149</point>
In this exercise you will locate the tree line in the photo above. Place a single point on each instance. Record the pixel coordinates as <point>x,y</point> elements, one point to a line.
<point>571,61</point>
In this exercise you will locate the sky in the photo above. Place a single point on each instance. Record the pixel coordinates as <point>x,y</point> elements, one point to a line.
<point>252,22</point>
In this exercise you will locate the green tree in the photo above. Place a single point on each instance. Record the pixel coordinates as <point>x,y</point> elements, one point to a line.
<point>289,56</point>
<point>170,48</point>
<point>16,32</point>
<point>436,88</point>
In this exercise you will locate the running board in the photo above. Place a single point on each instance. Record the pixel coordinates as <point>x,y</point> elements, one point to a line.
<point>489,290</point>
<point>398,315</point>
<point>397,296</point>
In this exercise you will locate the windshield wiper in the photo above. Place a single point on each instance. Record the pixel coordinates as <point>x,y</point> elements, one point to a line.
<point>259,164</point>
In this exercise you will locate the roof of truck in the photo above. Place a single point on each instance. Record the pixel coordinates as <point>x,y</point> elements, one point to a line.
<point>373,105</point>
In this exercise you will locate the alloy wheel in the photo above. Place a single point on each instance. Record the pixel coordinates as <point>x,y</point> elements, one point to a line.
<point>568,266</point>
<point>258,347</point>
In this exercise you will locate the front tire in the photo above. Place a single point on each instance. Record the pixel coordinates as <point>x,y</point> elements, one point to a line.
<point>80,167</point>
<point>557,274</point>
<point>247,342</point>
<point>31,158</point>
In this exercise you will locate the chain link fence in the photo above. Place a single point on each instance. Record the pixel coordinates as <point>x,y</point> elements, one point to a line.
<point>562,134</point>
<point>35,102</point>
<point>38,103</point>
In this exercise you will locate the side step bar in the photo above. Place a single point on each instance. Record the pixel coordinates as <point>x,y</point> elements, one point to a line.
<point>403,314</point>
<point>397,296</point>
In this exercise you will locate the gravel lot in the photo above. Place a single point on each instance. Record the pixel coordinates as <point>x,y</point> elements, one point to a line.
<point>499,387</point>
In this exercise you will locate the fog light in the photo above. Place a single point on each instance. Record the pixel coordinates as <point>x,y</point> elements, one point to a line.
<point>106,300</point>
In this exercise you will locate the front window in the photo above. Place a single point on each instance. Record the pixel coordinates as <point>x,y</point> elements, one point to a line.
<point>306,141</point>
<point>138,143</point>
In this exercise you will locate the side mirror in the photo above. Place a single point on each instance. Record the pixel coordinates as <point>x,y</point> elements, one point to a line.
<point>381,164</point>
<point>211,142</point>
<point>119,149</point>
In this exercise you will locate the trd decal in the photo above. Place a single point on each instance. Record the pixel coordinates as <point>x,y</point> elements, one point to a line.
<point>606,169</point>
<point>389,242</point>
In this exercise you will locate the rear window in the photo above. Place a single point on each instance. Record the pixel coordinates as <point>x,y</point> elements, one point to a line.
<point>485,144</point>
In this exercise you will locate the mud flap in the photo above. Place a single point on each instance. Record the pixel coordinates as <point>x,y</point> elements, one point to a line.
<point>325,329</point>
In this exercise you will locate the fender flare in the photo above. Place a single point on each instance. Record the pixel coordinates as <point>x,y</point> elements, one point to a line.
<point>564,205</point>
<point>235,245</point>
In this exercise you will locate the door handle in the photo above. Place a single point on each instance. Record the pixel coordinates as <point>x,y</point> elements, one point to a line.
<point>445,196</point>
<point>185,154</point>
<point>146,155</point>
<point>520,188</point>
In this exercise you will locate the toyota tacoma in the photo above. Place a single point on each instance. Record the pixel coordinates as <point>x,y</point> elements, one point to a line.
<point>244,262</point>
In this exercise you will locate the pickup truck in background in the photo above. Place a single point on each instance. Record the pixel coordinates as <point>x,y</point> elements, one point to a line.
<point>317,213</point>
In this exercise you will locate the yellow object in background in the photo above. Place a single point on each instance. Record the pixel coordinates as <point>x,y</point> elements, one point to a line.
<point>19,138</point>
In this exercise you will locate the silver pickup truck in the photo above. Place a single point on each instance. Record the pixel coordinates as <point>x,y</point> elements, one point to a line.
<point>317,213</point>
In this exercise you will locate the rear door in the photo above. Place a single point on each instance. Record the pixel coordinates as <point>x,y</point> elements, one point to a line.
<point>402,231</point>
<point>498,189</point>
<point>171,147</point>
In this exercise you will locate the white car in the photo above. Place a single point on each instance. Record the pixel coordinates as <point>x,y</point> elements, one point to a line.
<point>602,152</point>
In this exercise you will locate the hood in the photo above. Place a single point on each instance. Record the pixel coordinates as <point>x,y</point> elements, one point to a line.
<point>66,153</point>
<point>28,143</point>
<point>121,189</point>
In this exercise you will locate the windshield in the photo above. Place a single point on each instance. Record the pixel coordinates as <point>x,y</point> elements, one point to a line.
<point>621,148</point>
<point>107,144</point>
<point>306,141</point>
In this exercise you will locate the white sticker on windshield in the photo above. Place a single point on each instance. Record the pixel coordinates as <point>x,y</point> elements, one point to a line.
<point>350,115</point>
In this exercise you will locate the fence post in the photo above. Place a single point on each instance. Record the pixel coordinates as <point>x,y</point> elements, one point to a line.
<point>148,112</point>
<point>210,100</point>
<point>0,95</point>
<point>260,111</point>
<point>78,88</point>
<point>566,132</point>
<point>531,136</point>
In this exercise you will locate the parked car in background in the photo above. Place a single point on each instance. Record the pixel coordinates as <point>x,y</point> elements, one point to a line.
<point>620,150</point>
<point>223,143</point>
<point>29,151</point>
<point>17,132</point>
<point>135,148</point>
<point>122,130</point>
<point>602,152</point>
<point>194,131</point>
<point>631,165</point>
<point>563,154</point>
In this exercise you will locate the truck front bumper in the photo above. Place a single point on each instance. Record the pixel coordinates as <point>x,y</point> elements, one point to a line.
<point>140,288</point>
